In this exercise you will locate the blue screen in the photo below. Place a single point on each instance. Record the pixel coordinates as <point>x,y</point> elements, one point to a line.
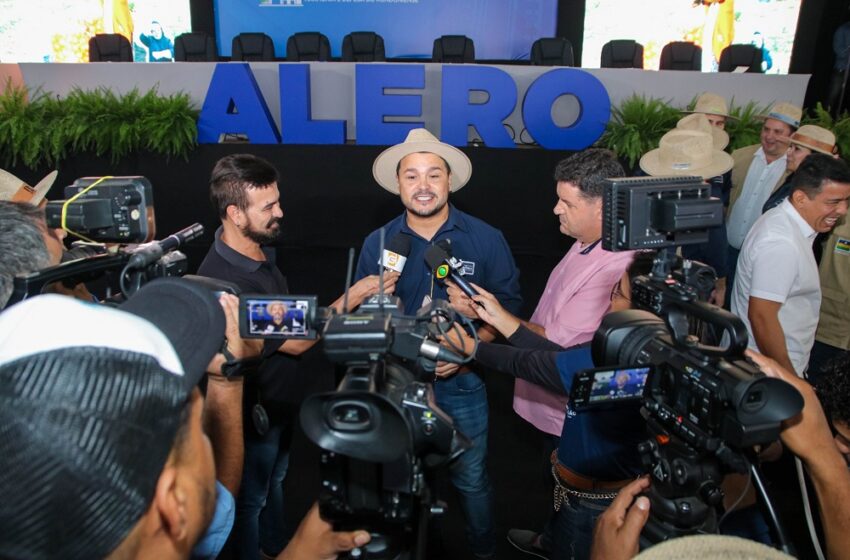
<point>501,29</point>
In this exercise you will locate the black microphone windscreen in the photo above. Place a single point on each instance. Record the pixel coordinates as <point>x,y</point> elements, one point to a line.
<point>445,245</point>
<point>400,244</point>
<point>435,256</point>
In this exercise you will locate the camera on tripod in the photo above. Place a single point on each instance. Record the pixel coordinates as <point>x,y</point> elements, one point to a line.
<point>705,405</point>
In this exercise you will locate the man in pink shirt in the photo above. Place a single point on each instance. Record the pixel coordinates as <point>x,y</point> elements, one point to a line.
<point>578,292</point>
<point>576,297</point>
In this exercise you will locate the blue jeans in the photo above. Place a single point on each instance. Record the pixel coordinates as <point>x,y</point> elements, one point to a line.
<point>259,509</point>
<point>464,398</point>
<point>572,527</point>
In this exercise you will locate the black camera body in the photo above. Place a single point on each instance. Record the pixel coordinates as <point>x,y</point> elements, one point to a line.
<point>381,432</point>
<point>113,209</point>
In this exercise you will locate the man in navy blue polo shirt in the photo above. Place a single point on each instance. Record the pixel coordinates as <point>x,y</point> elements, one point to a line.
<point>423,170</point>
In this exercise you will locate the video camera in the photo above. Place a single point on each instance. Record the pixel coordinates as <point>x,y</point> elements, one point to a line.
<point>114,210</point>
<point>381,433</point>
<point>706,406</point>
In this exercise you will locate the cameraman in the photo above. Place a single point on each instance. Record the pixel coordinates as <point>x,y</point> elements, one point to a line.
<point>598,452</point>
<point>26,244</point>
<point>244,191</point>
<point>809,435</point>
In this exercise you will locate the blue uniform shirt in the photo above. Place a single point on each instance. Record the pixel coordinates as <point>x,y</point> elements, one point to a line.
<point>487,260</point>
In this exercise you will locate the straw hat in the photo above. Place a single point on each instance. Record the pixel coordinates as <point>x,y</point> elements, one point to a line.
<point>686,152</point>
<point>698,121</point>
<point>815,138</point>
<point>420,140</point>
<point>785,112</point>
<point>15,190</point>
<point>711,547</point>
<point>711,104</point>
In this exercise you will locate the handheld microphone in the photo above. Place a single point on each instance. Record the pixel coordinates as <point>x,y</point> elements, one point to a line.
<point>153,251</point>
<point>446,266</point>
<point>395,254</point>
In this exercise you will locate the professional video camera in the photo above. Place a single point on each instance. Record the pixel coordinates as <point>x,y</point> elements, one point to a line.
<point>381,433</point>
<point>706,406</point>
<point>115,210</point>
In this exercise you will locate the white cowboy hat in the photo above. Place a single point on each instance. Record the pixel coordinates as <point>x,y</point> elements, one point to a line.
<point>15,190</point>
<point>698,121</point>
<point>420,140</point>
<point>686,152</point>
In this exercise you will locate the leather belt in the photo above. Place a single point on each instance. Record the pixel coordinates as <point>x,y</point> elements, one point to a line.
<point>575,480</point>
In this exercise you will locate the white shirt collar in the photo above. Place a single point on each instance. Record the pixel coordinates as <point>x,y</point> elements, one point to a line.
<point>761,155</point>
<point>807,230</point>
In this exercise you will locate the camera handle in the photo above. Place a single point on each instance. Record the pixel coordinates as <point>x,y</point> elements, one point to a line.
<point>677,319</point>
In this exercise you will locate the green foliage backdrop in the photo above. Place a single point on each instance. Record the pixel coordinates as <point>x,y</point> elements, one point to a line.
<point>37,128</point>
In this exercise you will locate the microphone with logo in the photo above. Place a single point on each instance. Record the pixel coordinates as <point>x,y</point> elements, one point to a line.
<point>444,265</point>
<point>393,258</point>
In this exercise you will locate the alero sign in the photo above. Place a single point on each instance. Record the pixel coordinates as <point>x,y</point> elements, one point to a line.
<point>234,105</point>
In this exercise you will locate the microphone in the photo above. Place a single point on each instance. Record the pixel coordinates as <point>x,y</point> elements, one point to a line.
<point>153,251</point>
<point>445,266</point>
<point>395,254</point>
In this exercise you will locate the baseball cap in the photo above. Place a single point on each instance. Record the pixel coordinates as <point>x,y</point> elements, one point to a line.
<point>91,398</point>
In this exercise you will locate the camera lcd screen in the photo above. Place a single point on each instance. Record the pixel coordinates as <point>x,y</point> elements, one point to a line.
<point>618,384</point>
<point>276,316</point>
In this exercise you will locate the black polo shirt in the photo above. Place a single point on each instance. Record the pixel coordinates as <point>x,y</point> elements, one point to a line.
<point>277,380</point>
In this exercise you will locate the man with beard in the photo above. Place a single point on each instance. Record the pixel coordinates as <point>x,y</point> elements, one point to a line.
<point>244,190</point>
<point>423,170</point>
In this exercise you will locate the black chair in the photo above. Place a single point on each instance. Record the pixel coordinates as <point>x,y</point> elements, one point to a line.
<point>680,55</point>
<point>110,47</point>
<point>306,46</point>
<point>556,51</point>
<point>734,56</point>
<point>453,49</point>
<point>363,46</point>
<point>622,53</point>
<point>252,47</point>
<point>194,47</point>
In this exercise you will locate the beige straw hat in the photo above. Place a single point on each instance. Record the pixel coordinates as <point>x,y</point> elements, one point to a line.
<point>711,547</point>
<point>15,190</point>
<point>686,152</point>
<point>711,104</point>
<point>698,121</point>
<point>815,138</point>
<point>420,140</point>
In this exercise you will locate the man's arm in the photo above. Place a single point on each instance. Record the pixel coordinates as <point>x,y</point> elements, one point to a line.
<point>809,437</point>
<point>315,539</point>
<point>767,330</point>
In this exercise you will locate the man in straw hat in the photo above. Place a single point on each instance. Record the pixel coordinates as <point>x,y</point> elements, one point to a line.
<point>714,107</point>
<point>104,453</point>
<point>423,171</point>
<point>694,147</point>
<point>809,138</point>
<point>777,292</point>
<point>758,171</point>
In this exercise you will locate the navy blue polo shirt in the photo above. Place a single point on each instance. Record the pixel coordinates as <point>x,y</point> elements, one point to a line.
<point>483,249</point>
<point>277,380</point>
